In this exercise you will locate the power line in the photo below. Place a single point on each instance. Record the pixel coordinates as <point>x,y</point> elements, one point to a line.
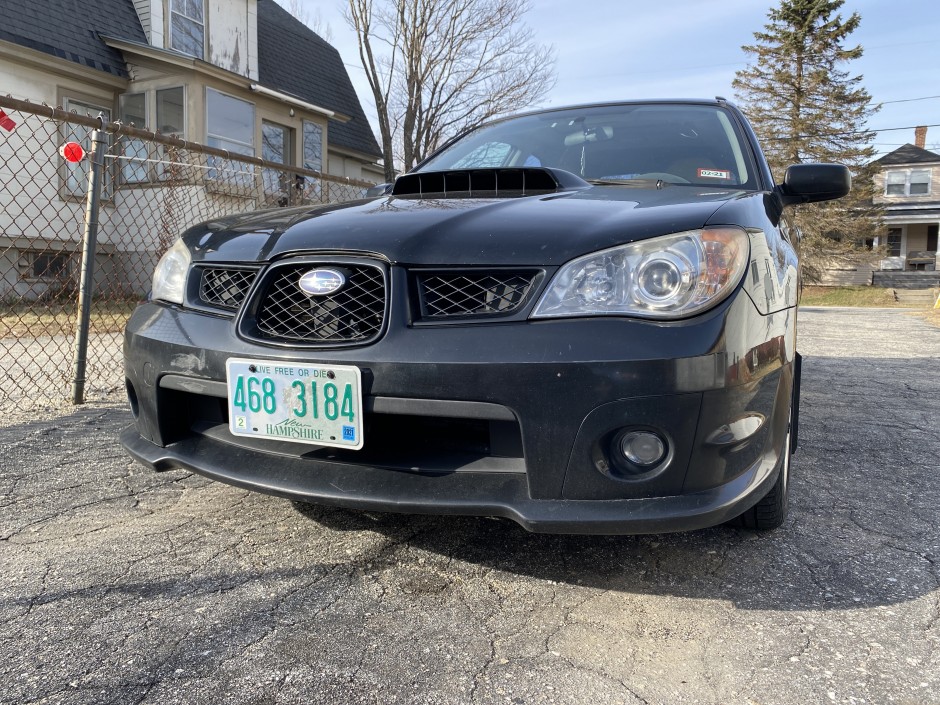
<point>359,67</point>
<point>850,132</point>
<point>909,100</point>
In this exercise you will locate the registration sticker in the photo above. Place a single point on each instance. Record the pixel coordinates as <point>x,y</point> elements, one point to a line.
<point>714,174</point>
<point>286,401</point>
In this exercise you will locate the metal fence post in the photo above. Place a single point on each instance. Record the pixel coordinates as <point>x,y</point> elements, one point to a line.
<point>160,184</point>
<point>87,282</point>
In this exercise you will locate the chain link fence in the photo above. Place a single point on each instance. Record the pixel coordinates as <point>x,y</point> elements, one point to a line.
<point>152,187</point>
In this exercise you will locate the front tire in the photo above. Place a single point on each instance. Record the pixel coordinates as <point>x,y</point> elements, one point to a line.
<point>771,511</point>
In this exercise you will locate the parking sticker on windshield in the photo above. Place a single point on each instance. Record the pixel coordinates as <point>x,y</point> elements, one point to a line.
<point>714,174</point>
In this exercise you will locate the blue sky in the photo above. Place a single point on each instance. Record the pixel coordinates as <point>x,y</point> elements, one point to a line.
<point>625,49</point>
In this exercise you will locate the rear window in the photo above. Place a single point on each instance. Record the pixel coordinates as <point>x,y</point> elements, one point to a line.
<point>694,144</point>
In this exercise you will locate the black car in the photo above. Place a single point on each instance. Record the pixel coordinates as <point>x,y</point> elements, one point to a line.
<point>582,319</point>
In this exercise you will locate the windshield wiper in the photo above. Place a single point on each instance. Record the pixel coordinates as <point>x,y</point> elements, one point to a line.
<point>640,183</point>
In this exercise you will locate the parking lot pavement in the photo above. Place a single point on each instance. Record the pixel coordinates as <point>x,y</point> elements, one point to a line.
<point>119,585</point>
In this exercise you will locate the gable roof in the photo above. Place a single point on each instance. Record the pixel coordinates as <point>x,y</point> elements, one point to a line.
<point>69,29</point>
<point>294,59</point>
<point>908,154</point>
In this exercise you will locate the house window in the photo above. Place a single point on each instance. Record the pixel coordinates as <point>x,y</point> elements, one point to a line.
<point>170,112</point>
<point>894,242</point>
<point>171,121</point>
<point>932,238</point>
<point>76,174</point>
<point>143,161</point>
<point>276,146</point>
<point>313,146</point>
<point>188,27</point>
<point>895,183</point>
<point>134,150</point>
<point>275,143</point>
<point>915,182</point>
<point>134,109</point>
<point>230,123</point>
<point>919,182</point>
<point>45,266</point>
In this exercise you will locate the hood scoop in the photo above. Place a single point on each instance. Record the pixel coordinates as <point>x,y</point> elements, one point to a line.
<point>486,183</point>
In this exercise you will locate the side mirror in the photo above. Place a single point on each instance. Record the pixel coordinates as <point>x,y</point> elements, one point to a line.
<point>808,183</point>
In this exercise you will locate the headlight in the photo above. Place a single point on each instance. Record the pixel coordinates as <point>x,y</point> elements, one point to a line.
<point>663,277</point>
<point>169,278</point>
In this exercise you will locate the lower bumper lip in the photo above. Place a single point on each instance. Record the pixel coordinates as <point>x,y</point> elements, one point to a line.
<point>477,494</point>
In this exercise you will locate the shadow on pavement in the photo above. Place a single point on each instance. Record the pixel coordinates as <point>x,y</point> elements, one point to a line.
<point>862,530</point>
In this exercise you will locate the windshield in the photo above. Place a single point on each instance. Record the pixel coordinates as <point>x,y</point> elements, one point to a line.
<point>681,144</point>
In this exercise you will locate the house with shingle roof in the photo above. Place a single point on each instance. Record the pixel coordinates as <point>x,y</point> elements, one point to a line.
<point>907,185</point>
<point>242,75</point>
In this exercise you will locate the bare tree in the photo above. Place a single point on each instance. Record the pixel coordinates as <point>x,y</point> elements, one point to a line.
<point>438,67</point>
<point>380,70</point>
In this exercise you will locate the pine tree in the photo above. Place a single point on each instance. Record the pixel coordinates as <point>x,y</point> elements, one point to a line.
<point>806,106</point>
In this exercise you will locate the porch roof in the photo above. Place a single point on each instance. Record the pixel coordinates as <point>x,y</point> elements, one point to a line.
<point>919,213</point>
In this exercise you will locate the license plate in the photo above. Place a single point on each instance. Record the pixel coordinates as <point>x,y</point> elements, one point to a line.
<point>286,401</point>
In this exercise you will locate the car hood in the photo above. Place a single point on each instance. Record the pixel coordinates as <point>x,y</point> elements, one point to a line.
<point>544,230</point>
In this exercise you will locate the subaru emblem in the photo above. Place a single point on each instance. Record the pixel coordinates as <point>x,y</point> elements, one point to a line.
<point>320,282</point>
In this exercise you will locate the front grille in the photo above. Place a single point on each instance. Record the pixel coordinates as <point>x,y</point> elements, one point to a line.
<point>354,314</point>
<point>497,292</point>
<point>225,287</point>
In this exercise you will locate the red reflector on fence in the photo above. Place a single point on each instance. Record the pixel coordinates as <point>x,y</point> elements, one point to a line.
<point>72,152</point>
<point>6,122</point>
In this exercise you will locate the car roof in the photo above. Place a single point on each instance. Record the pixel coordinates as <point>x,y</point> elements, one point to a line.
<point>614,103</point>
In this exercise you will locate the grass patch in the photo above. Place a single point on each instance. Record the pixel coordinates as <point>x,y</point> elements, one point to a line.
<point>36,318</point>
<point>932,316</point>
<point>862,296</point>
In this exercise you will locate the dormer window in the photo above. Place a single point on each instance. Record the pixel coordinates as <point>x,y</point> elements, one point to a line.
<point>188,27</point>
<point>907,182</point>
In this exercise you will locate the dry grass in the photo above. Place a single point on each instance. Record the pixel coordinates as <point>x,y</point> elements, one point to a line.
<point>862,296</point>
<point>35,319</point>
<point>932,316</point>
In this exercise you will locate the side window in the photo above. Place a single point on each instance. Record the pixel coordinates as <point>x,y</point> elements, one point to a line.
<point>170,111</point>
<point>134,153</point>
<point>313,146</point>
<point>171,120</point>
<point>76,175</point>
<point>276,146</point>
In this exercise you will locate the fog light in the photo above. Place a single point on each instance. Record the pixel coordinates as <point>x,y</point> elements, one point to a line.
<point>642,448</point>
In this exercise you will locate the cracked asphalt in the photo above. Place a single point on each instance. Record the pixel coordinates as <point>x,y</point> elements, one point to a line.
<point>119,585</point>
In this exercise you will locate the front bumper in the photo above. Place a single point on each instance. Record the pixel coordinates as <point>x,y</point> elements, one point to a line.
<point>484,494</point>
<point>538,401</point>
